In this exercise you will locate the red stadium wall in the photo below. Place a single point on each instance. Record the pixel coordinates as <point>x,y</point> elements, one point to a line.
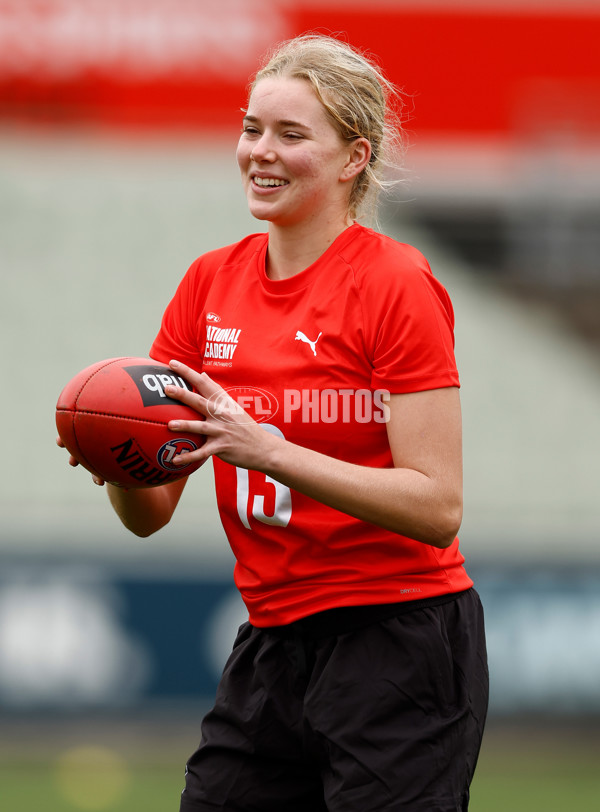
<point>478,71</point>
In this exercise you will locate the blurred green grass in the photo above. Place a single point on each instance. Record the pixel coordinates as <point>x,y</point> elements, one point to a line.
<point>32,787</point>
<point>519,771</point>
<point>529,769</point>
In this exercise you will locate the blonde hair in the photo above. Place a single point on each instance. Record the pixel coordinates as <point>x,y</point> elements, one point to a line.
<point>358,99</point>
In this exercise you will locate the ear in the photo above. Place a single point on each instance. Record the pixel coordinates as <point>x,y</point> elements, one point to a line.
<point>358,157</point>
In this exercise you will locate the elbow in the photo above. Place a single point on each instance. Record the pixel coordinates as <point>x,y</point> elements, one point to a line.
<point>143,533</point>
<point>439,532</point>
<point>444,538</point>
<point>146,511</point>
<point>445,530</point>
<point>143,529</point>
<point>140,531</point>
<point>439,523</point>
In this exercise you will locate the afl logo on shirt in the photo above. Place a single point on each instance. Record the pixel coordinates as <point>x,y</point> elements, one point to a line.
<point>242,404</point>
<point>213,317</point>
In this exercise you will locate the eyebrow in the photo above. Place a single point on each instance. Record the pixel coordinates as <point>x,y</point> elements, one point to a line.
<point>282,122</point>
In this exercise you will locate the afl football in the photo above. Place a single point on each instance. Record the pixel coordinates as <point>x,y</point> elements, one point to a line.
<point>113,418</point>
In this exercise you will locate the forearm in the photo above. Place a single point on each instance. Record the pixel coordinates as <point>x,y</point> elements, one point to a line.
<point>144,511</point>
<point>402,500</point>
<point>420,497</point>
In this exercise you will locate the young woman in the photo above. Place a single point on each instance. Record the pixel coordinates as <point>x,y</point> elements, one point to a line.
<point>360,680</point>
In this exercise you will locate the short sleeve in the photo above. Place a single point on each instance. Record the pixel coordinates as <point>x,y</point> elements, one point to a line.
<point>182,334</point>
<point>413,333</point>
<point>179,337</point>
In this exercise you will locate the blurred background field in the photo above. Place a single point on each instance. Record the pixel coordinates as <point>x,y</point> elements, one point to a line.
<point>120,765</point>
<point>118,123</point>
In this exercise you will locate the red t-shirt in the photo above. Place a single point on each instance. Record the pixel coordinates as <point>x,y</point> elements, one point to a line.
<point>312,357</point>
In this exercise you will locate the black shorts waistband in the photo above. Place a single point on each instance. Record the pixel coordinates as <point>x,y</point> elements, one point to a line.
<point>344,619</point>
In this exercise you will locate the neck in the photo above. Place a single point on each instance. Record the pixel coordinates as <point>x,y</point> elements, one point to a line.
<point>293,250</point>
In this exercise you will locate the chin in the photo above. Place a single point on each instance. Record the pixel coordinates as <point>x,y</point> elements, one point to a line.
<point>260,212</point>
<point>259,215</point>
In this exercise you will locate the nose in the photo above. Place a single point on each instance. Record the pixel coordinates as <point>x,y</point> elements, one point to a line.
<point>263,149</point>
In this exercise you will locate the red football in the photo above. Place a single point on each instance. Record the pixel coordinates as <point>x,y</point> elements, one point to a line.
<point>113,418</point>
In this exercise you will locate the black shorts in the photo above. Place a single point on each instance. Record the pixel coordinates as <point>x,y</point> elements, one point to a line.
<point>348,715</point>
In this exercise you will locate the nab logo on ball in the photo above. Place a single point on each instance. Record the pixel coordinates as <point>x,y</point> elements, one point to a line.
<point>169,450</point>
<point>151,382</point>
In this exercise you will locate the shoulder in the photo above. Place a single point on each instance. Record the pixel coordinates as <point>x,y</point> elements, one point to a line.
<point>394,276</point>
<point>378,260</point>
<point>237,252</point>
<point>196,283</point>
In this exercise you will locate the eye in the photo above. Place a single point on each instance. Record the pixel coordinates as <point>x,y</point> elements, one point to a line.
<point>293,136</point>
<point>248,129</point>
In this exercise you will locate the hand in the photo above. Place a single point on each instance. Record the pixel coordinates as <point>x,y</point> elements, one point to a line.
<point>72,461</point>
<point>230,433</point>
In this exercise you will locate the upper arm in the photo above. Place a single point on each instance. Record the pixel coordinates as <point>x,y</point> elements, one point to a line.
<point>425,435</point>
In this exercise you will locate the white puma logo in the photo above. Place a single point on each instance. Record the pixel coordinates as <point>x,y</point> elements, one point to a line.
<point>301,337</point>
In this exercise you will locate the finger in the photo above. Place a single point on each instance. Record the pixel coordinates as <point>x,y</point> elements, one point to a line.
<point>190,426</point>
<point>203,382</point>
<point>72,461</point>
<point>190,458</point>
<point>192,399</point>
<point>200,455</point>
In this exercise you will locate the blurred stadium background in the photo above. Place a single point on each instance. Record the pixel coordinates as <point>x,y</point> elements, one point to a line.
<point>118,123</point>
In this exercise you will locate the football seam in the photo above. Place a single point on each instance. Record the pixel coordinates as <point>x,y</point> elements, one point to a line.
<point>118,416</point>
<point>84,458</point>
<point>108,363</point>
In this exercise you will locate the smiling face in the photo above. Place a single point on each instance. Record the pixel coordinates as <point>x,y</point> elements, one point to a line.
<point>296,169</point>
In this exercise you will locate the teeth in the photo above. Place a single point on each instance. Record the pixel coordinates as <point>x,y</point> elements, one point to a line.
<point>269,182</point>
